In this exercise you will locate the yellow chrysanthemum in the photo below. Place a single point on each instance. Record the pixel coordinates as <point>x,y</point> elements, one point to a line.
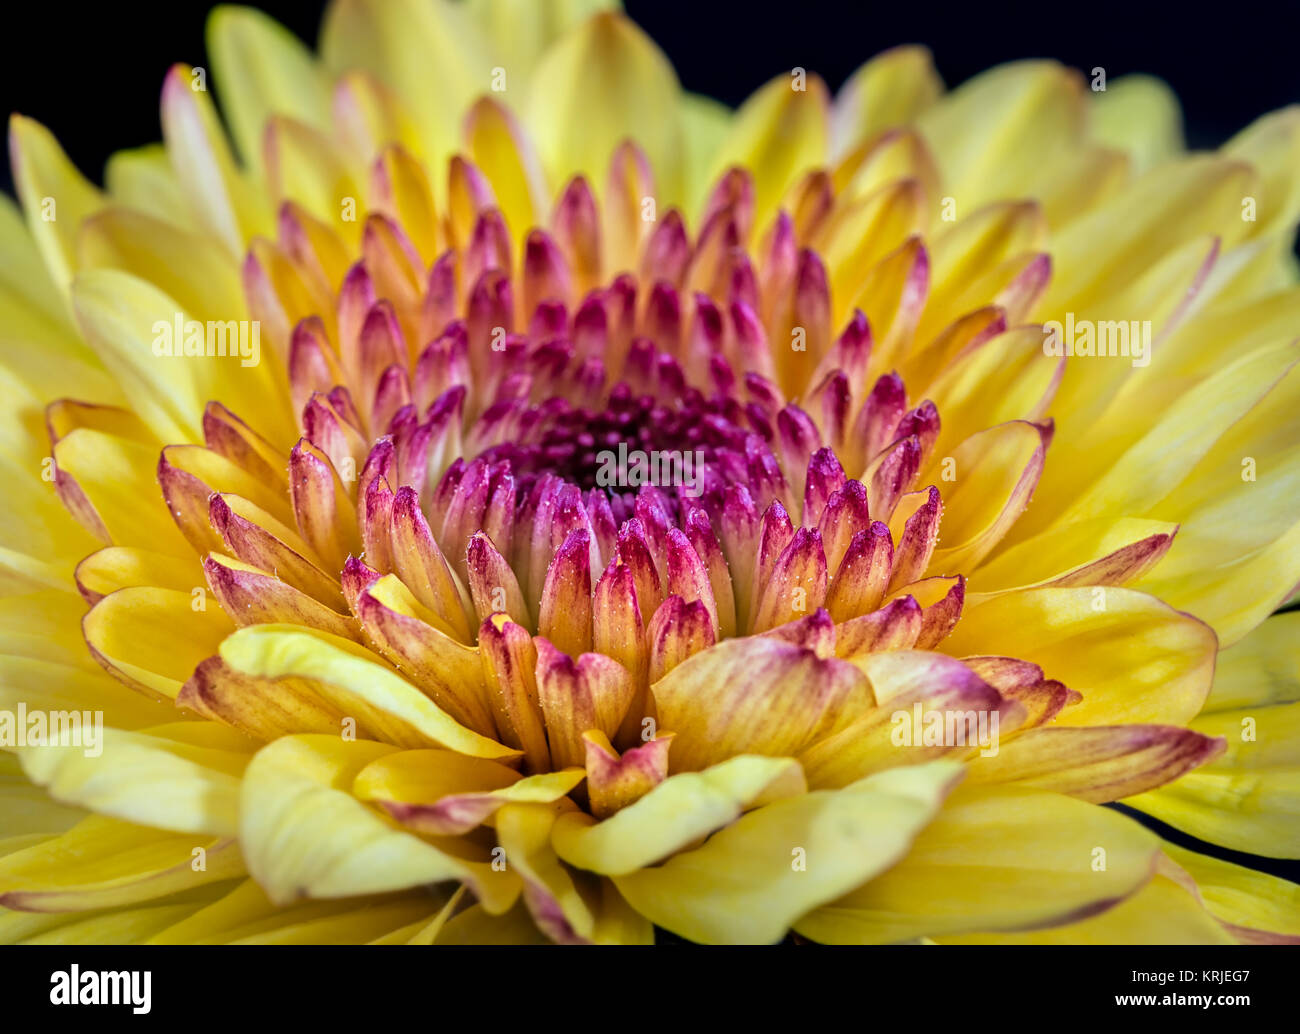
<point>515,499</point>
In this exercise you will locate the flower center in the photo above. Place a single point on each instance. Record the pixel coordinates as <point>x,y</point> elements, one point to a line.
<point>631,440</point>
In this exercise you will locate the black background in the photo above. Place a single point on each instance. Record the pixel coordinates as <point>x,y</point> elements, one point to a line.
<point>93,74</point>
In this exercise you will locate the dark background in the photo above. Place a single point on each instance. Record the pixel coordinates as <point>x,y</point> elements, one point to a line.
<point>93,74</point>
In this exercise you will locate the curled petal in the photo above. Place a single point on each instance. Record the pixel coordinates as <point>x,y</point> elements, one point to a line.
<point>357,681</point>
<point>445,669</point>
<point>492,582</point>
<point>592,692</point>
<point>677,631</point>
<point>797,583</point>
<point>1019,680</point>
<point>616,623</point>
<point>438,793</point>
<point>321,508</point>
<point>614,782</point>
<point>253,597</point>
<point>304,834</point>
<point>261,541</point>
<point>564,611</point>
<point>757,695</point>
<point>509,658</point>
<point>890,476</point>
<point>816,632</point>
<point>680,810</point>
<point>912,688</point>
<point>687,576</point>
<point>893,627</point>
<point>941,601</point>
<point>1098,763</point>
<point>915,524</point>
<point>418,561</point>
<point>862,578</point>
<point>262,708</point>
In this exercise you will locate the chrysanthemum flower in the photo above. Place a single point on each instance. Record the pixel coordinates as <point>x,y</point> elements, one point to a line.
<point>496,496</point>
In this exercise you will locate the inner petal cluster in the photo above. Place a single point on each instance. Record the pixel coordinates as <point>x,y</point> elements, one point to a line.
<point>537,488</point>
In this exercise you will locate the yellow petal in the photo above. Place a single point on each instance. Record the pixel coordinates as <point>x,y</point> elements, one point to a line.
<point>27,809</point>
<point>990,133</point>
<point>1162,912</point>
<point>402,189</point>
<point>523,31</point>
<point>1254,905</point>
<point>262,709</point>
<point>121,567</point>
<point>589,91</point>
<point>997,471</point>
<point>1005,378</point>
<point>442,793</point>
<point>305,835</point>
<point>49,686</point>
<point>1133,658</point>
<point>244,912</point>
<point>705,123</point>
<point>40,534</point>
<point>906,682</point>
<point>214,186</point>
<point>1235,500</point>
<point>189,267</point>
<point>781,132</point>
<point>44,626</point>
<point>142,178</point>
<point>476,926</point>
<point>996,859</point>
<point>1095,763</point>
<point>153,638</point>
<point>148,778</point>
<point>892,298</point>
<point>101,863</point>
<point>118,314</point>
<point>54,195</point>
<point>1272,144</point>
<point>431,55</point>
<point>1068,551</point>
<point>34,303</point>
<point>1235,599</point>
<point>1153,465</point>
<point>1261,669</point>
<point>1248,799</point>
<point>260,68</point>
<point>351,677</point>
<point>676,813</point>
<point>426,930</point>
<point>367,925</point>
<point>116,477</point>
<point>889,90</point>
<point>756,695</point>
<point>1167,292</point>
<point>1079,182</point>
<point>1111,247</point>
<point>978,241</point>
<point>304,165</point>
<point>862,232</point>
<point>552,893</point>
<point>1235,505</point>
<point>1139,114</point>
<point>750,882</point>
<point>501,151</point>
<point>130,926</point>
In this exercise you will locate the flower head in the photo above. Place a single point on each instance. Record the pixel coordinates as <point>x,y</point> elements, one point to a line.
<point>527,500</point>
